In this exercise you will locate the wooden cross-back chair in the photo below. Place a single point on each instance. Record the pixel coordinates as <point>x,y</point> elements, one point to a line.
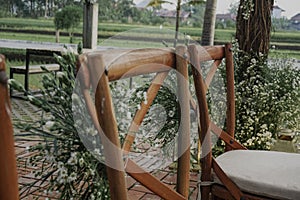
<point>238,173</point>
<point>8,169</point>
<point>129,63</point>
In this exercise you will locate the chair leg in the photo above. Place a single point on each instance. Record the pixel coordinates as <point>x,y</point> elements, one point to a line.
<point>26,85</point>
<point>11,76</point>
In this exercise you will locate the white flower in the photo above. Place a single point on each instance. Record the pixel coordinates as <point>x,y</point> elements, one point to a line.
<point>97,151</point>
<point>92,197</point>
<point>49,124</point>
<point>64,51</point>
<point>60,74</point>
<point>72,160</point>
<point>70,49</point>
<point>72,177</point>
<point>75,97</point>
<point>253,60</point>
<point>264,126</point>
<point>128,115</point>
<point>30,97</point>
<point>188,37</point>
<point>81,162</point>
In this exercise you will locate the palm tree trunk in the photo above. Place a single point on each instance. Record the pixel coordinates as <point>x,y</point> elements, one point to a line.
<point>209,23</point>
<point>178,8</point>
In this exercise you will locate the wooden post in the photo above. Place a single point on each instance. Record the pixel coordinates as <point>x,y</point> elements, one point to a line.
<point>183,175</point>
<point>90,25</point>
<point>8,169</point>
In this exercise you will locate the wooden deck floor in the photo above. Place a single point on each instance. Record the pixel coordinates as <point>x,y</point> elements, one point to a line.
<point>24,110</point>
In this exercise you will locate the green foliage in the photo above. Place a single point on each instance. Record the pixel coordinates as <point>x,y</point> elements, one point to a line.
<point>60,157</point>
<point>68,18</point>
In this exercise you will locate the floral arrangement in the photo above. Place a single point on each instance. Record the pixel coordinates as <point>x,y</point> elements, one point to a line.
<point>267,98</point>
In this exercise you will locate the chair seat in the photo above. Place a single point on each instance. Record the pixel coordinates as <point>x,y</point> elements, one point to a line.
<point>267,173</point>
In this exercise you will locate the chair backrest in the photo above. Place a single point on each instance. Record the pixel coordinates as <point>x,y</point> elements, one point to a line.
<point>206,123</point>
<point>8,169</point>
<point>98,68</point>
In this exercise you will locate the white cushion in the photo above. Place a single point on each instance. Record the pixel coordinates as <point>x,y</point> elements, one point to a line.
<point>268,173</point>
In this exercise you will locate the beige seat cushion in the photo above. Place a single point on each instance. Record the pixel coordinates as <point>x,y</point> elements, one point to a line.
<point>268,173</point>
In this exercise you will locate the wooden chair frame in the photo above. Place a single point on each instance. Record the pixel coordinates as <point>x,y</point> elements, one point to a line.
<point>8,167</point>
<point>159,61</point>
<point>156,60</point>
<point>210,189</point>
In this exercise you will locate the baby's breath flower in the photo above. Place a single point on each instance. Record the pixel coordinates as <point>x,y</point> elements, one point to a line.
<point>49,124</point>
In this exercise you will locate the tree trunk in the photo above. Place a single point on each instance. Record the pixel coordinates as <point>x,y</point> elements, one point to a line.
<point>178,8</point>
<point>57,36</point>
<point>209,23</point>
<point>46,9</point>
<point>253,33</point>
<point>71,37</point>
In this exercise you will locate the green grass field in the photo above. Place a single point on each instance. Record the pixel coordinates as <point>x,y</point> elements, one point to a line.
<point>109,29</point>
<point>107,32</point>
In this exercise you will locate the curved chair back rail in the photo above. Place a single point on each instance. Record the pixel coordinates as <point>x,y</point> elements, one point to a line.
<point>8,169</point>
